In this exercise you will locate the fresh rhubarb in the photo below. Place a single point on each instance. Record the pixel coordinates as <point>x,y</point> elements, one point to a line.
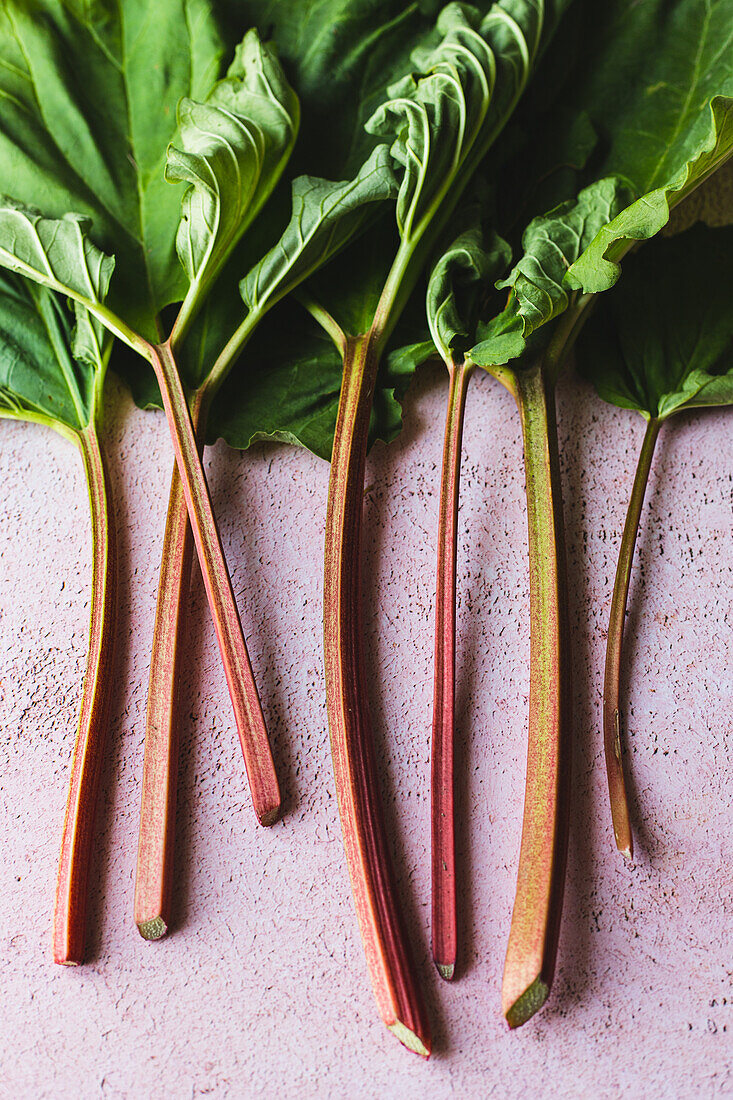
<point>660,345</point>
<point>69,916</point>
<point>442,812</point>
<point>54,377</point>
<point>325,216</point>
<point>232,149</point>
<point>612,677</point>
<point>441,121</point>
<point>455,293</point>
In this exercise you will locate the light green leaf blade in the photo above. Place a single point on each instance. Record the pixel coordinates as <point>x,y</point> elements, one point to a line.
<point>538,281</point>
<point>597,269</point>
<point>662,340</point>
<point>468,265</point>
<point>234,147</point>
<point>464,87</point>
<point>55,252</point>
<point>324,218</point>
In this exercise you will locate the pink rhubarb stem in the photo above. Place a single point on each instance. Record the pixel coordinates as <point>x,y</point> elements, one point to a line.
<point>154,878</point>
<point>242,689</point>
<point>69,916</point>
<point>533,937</point>
<point>352,742</point>
<point>612,683</point>
<point>444,920</point>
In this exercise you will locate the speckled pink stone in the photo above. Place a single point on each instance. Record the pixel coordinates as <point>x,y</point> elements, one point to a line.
<point>261,990</point>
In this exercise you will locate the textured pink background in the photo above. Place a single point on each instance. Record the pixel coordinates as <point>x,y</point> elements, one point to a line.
<point>262,989</point>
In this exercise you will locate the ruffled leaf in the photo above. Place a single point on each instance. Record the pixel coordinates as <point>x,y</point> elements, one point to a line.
<point>233,148</point>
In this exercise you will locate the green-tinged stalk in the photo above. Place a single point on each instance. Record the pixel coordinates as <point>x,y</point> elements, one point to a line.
<point>69,917</point>
<point>352,742</point>
<point>533,937</point>
<point>442,814</point>
<point>612,681</point>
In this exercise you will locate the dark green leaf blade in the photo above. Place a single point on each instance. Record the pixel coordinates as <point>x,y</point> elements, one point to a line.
<point>293,397</point>
<point>662,340</point>
<point>40,377</point>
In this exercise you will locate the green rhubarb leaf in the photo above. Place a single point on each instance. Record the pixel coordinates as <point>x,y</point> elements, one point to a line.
<point>538,282</point>
<point>461,93</point>
<point>340,56</point>
<point>295,399</point>
<point>325,216</point>
<point>658,92</point>
<point>58,254</point>
<point>663,123</point>
<point>662,341</point>
<point>42,376</point>
<point>597,269</point>
<point>440,119</point>
<point>89,91</point>
<point>458,280</point>
<point>234,147</point>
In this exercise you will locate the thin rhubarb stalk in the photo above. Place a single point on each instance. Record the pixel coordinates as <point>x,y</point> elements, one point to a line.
<point>352,742</point>
<point>69,917</point>
<point>612,683</point>
<point>444,921</point>
<point>154,878</point>
<point>533,937</point>
<point>242,689</point>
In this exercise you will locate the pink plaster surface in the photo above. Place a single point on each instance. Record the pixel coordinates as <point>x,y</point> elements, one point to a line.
<point>262,990</point>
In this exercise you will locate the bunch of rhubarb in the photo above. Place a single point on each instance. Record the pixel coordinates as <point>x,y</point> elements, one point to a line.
<point>376,186</point>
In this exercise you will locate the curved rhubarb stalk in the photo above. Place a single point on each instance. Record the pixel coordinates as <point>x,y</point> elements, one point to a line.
<point>69,916</point>
<point>442,813</point>
<point>533,937</point>
<point>242,689</point>
<point>612,681</point>
<point>352,742</point>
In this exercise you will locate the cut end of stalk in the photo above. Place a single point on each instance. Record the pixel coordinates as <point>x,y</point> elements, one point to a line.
<point>60,961</point>
<point>269,816</point>
<point>622,830</point>
<point>152,929</point>
<point>527,1004</point>
<point>446,970</point>
<point>409,1039</point>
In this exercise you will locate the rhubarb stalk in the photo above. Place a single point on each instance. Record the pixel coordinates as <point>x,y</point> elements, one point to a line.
<point>154,878</point>
<point>242,689</point>
<point>444,921</point>
<point>69,917</point>
<point>533,937</point>
<point>352,742</point>
<point>612,682</point>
